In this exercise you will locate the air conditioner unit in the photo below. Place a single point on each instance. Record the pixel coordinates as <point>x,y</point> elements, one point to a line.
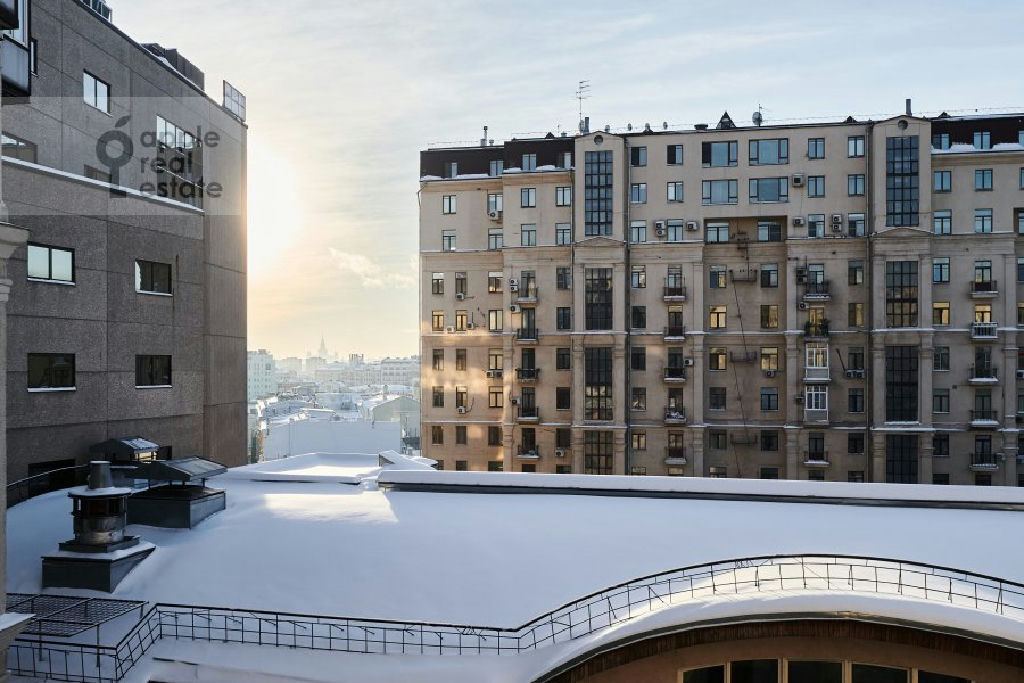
<point>801,275</point>
<point>450,330</point>
<point>854,374</point>
<point>461,410</point>
<point>660,231</point>
<point>494,215</point>
<point>798,180</point>
<point>802,305</point>
<point>559,453</point>
<point>459,296</point>
<point>799,398</point>
<point>799,221</point>
<point>837,227</point>
<point>514,289</point>
<point>837,219</point>
<point>688,362</point>
<point>514,308</point>
<point>514,400</point>
<point>492,374</point>
<point>659,226</point>
<point>512,282</point>
<point>771,374</point>
<point>692,226</point>
<point>470,325</point>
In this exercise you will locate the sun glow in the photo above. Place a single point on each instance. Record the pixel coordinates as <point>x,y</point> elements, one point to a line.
<point>275,207</point>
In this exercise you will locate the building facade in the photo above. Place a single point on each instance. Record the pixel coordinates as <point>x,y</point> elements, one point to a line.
<point>129,317</point>
<point>824,301</point>
<point>262,375</point>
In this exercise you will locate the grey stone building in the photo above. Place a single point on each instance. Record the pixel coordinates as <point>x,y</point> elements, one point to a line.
<point>128,317</point>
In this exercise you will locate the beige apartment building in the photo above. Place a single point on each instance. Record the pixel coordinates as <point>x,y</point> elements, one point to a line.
<point>834,301</point>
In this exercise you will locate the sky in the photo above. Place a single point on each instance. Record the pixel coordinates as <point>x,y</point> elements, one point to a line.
<point>343,94</point>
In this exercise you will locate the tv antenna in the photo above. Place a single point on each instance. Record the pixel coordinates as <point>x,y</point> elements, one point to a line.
<point>582,93</point>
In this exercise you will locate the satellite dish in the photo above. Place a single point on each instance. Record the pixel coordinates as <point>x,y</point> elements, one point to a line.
<point>757,118</point>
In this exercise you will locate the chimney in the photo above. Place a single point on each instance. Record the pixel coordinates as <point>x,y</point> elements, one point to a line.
<point>909,111</point>
<point>483,140</point>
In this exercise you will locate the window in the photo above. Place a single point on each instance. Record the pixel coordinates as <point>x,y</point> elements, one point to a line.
<point>437,439</point>
<point>437,283</point>
<point>718,472</point>
<point>96,92</point>
<point>563,196</point>
<point>461,397</point>
<point>940,140</point>
<point>599,193</point>
<point>1020,314</point>
<point>940,313</point>
<point>495,168</point>
<point>461,281</point>
<point>448,240</point>
<point>855,358</point>
<point>816,186</point>
<point>495,466</point>
<point>638,399</point>
<point>638,156</point>
<point>495,202</point>
<point>717,358</point>
<point>718,153</point>
<point>494,239</point>
<point>528,197</point>
<point>855,399</point>
<point>942,222</point>
<point>769,399</point>
<point>638,317</point>
<point>563,438</point>
<point>598,298</point>
<point>597,397</point>
<point>460,360</point>
<point>52,264</point>
<point>675,155</point>
<point>940,269</point>
<point>460,435</point>
<point>495,320</point>
<point>1020,270</point>
<point>529,162</point>
<point>717,277</point>
<point>983,220</point>
<point>563,318</point>
<point>639,441</point>
<point>152,277</point>
<point>563,358</point>
<point>1021,177</point>
<point>437,397</point>
<point>719,192</point>
<point>638,358</point>
<point>942,181</point>
<point>448,203</point>
<point>716,398</point>
<point>983,179</point>
<point>638,193</point>
<point>528,234</point>
<point>17,148</point>
<point>717,233</point>
<point>461,318</point>
<point>769,190</point>
<point>598,451</point>
<point>675,230</point>
<point>51,371</point>
<point>816,148</point>
<point>816,397</point>
<point>855,272</point>
<point>901,294</point>
<point>638,231</point>
<point>816,225</point>
<point>437,360</point>
<point>855,314</point>
<point>855,185</point>
<point>770,358</point>
<point>855,146</point>
<point>769,439</point>
<point>565,160</point>
<point>983,140</point>
<point>675,191</point>
<point>638,277</point>
<point>769,317</point>
<point>769,231</point>
<point>857,224</point>
<point>495,359</point>
<point>940,445</point>
<point>901,383</point>
<point>717,440</point>
<point>562,400</point>
<point>563,234</point>
<point>940,358</point>
<point>451,169</point>
<point>855,443</point>
<point>717,318</point>
<point>901,181</point>
<point>940,400</point>
<point>437,321</point>
<point>495,397</point>
<point>769,275</point>
<point>768,152</point>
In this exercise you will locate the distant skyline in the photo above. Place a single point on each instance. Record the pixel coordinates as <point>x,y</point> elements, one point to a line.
<point>343,95</point>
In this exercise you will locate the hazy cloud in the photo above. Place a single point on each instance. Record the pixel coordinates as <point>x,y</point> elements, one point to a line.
<point>371,274</point>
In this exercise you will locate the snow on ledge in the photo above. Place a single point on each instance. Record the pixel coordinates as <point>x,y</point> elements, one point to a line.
<point>819,492</point>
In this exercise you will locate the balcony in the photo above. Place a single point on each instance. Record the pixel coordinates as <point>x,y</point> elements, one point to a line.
<point>527,334</point>
<point>817,291</point>
<point>14,68</point>
<point>815,415</point>
<point>985,289</point>
<point>527,295</point>
<point>527,374</point>
<point>749,275</point>
<point>984,462</point>
<point>985,331</point>
<point>672,292</point>
<point>817,375</point>
<point>983,374</point>
<point>816,459</point>
<point>675,416</point>
<point>672,375</point>
<point>675,332</point>
<point>984,418</point>
<point>528,453</point>
<point>529,414</point>
<point>743,356</point>
<point>816,331</point>
<point>675,455</point>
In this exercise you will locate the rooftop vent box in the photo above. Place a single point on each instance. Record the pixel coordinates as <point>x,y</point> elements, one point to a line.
<point>172,58</point>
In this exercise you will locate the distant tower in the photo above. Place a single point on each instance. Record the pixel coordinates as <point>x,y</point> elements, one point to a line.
<point>322,352</point>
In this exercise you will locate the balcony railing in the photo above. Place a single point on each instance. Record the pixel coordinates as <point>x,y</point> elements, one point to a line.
<point>527,334</point>
<point>672,374</point>
<point>673,292</point>
<point>985,288</point>
<point>984,416</point>
<point>528,374</point>
<point>675,332</point>
<point>675,416</point>
<point>675,455</point>
<point>528,453</point>
<point>817,375</point>
<point>529,413</point>
<point>527,294</point>
<point>817,291</point>
<point>816,330</point>
<point>744,275</point>
<point>984,373</point>
<point>988,330</point>
<point>815,415</point>
<point>816,459</point>
<point>984,462</point>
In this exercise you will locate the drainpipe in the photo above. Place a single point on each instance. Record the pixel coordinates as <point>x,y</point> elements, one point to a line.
<point>869,277</point>
<point>627,407</point>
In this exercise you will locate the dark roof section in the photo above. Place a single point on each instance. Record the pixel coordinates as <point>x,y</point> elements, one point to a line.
<point>183,470</point>
<point>124,448</point>
<point>476,160</point>
<point>180,64</point>
<point>962,129</point>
